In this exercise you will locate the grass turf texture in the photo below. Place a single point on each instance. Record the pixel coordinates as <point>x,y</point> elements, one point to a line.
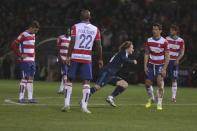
<point>130,115</point>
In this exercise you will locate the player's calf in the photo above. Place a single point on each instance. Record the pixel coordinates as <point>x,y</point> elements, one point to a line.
<point>94,89</point>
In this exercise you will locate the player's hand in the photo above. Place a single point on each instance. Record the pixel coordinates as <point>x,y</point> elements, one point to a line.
<point>67,61</point>
<point>100,62</point>
<point>163,72</point>
<point>176,62</point>
<point>64,61</point>
<point>135,62</point>
<point>23,56</point>
<point>146,70</point>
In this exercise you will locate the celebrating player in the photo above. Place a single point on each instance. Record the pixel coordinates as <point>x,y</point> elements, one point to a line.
<point>79,57</point>
<point>177,49</point>
<point>109,72</point>
<point>156,59</point>
<point>63,42</point>
<point>24,48</point>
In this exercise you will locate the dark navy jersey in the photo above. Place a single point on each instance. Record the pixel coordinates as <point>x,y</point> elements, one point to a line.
<point>117,61</point>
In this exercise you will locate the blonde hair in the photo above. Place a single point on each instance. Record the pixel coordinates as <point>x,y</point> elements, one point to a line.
<point>125,45</point>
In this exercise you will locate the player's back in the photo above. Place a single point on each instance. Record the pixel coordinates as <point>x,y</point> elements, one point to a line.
<point>85,34</point>
<point>63,42</point>
<point>116,62</point>
<point>27,46</point>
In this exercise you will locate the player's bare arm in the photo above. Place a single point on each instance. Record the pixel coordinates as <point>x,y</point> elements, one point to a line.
<point>146,57</point>
<point>70,49</point>
<point>100,53</point>
<point>167,58</point>
<point>181,54</point>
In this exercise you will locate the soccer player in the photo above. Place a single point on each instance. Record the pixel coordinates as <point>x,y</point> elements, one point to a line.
<point>63,42</point>
<point>156,59</point>
<point>109,72</point>
<point>83,35</point>
<point>24,48</point>
<point>177,49</point>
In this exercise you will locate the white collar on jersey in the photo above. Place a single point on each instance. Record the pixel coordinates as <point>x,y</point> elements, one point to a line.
<point>156,39</point>
<point>127,54</point>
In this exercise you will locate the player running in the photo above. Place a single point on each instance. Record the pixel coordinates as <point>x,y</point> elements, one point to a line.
<point>109,73</point>
<point>63,42</point>
<point>83,35</point>
<point>156,59</point>
<point>24,48</point>
<point>177,49</point>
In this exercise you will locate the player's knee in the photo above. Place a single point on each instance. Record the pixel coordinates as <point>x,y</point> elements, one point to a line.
<point>69,79</point>
<point>122,83</point>
<point>160,82</point>
<point>86,82</point>
<point>148,83</point>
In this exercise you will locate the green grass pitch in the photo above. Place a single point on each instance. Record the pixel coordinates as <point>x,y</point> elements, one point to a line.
<point>130,115</point>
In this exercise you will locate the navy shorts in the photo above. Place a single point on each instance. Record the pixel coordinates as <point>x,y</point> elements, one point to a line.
<point>153,71</point>
<point>106,77</point>
<point>173,70</point>
<point>27,69</point>
<point>84,70</point>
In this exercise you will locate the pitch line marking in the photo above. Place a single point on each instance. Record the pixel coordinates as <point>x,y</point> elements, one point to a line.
<point>9,102</point>
<point>12,102</point>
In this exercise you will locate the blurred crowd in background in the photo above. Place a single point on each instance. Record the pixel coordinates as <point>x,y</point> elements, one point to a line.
<point>118,20</point>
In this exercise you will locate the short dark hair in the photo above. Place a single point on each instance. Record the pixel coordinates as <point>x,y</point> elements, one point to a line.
<point>125,45</point>
<point>174,27</point>
<point>84,14</point>
<point>158,25</point>
<point>34,24</point>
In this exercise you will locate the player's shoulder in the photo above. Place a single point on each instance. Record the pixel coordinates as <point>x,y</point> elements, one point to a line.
<point>61,36</point>
<point>180,39</point>
<point>169,38</point>
<point>160,40</point>
<point>86,25</point>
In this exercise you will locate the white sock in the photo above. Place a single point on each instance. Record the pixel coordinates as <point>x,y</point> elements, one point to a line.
<point>30,89</point>
<point>22,87</point>
<point>67,93</point>
<point>150,92</point>
<point>160,101</point>
<point>61,88</point>
<point>174,89</point>
<point>86,93</point>
<point>160,94</point>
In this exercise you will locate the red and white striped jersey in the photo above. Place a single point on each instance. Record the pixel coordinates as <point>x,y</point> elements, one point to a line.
<point>157,49</point>
<point>175,46</point>
<point>85,34</point>
<point>26,46</point>
<point>63,42</point>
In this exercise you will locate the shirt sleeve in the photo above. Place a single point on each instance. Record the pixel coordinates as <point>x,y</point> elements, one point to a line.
<point>20,38</point>
<point>146,46</point>
<point>166,46</point>
<point>182,45</point>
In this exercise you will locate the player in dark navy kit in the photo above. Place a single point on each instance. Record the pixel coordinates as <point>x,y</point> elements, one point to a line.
<point>108,74</point>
